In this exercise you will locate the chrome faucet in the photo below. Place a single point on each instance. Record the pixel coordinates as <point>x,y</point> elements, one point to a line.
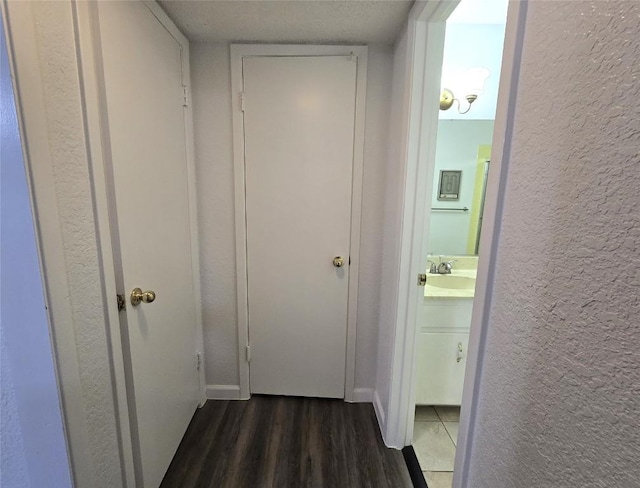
<point>445,268</point>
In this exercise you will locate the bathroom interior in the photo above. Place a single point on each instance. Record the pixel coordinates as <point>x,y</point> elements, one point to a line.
<point>471,66</point>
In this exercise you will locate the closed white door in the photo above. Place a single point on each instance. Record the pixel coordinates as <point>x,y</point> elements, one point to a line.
<point>146,121</point>
<point>299,135</point>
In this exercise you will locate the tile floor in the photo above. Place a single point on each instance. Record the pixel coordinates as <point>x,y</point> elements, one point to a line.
<point>435,435</point>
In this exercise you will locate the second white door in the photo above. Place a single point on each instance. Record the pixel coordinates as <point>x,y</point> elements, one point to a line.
<point>143,89</point>
<point>299,121</point>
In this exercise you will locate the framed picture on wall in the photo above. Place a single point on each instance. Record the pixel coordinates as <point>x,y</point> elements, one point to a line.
<point>449,185</point>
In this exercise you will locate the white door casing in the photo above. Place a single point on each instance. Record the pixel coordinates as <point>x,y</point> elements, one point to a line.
<point>152,227</point>
<point>298,197</point>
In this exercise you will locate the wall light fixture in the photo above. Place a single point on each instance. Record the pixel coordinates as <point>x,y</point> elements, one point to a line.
<point>471,86</point>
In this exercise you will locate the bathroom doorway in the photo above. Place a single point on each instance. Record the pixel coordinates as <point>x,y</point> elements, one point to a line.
<point>470,77</point>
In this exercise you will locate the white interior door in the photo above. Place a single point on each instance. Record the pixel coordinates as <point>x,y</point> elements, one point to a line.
<point>144,100</point>
<point>299,143</point>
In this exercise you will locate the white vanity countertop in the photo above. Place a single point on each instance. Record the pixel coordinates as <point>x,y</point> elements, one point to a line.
<point>461,283</point>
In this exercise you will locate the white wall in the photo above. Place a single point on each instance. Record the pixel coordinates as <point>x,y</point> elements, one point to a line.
<point>376,165</point>
<point>392,226</point>
<point>560,391</point>
<point>211,87</point>
<point>33,450</point>
<point>211,90</point>
<point>43,32</point>
<point>456,149</point>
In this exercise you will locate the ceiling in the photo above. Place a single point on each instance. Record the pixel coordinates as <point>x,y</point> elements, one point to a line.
<point>480,12</point>
<point>290,21</point>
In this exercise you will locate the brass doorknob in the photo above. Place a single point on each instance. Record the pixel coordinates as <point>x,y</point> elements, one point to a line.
<point>138,296</point>
<point>338,261</point>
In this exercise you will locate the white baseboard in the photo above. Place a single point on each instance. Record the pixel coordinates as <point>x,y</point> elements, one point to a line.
<point>362,395</point>
<point>232,392</point>
<point>222,392</point>
<point>379,410</point>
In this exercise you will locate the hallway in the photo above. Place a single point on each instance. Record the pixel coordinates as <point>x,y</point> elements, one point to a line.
<point>285,442</point>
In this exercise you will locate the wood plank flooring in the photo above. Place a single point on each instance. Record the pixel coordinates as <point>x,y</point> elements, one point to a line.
<point>272,441</point>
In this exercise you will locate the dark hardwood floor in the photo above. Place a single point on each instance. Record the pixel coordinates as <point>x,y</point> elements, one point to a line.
<point>272,441</point>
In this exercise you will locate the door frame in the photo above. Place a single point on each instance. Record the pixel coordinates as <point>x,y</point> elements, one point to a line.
<point>97,134</point>
<point>425,47</point>
<point>238,51</point>
<point>28,87</point>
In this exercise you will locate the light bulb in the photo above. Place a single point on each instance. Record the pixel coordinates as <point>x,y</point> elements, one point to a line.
<point>475,80</point>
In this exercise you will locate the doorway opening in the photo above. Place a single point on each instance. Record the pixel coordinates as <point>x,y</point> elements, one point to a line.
<point>468,99</point>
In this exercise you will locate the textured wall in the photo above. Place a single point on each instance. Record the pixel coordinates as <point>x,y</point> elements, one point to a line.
<point>13,460</point>
<point>210,66</point>
<point>52,23</point>
<point>560,392</point>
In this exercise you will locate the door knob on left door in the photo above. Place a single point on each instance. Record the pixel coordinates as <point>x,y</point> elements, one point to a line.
<point>338,261</point>
<point>138,296</point>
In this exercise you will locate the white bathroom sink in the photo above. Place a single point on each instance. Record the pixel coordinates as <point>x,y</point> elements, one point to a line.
<point>450,285</point>
<point>452,282</point>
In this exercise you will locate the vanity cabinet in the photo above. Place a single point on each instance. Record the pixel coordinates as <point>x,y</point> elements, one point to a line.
<point>442,350</point>
<point>441,363</point>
